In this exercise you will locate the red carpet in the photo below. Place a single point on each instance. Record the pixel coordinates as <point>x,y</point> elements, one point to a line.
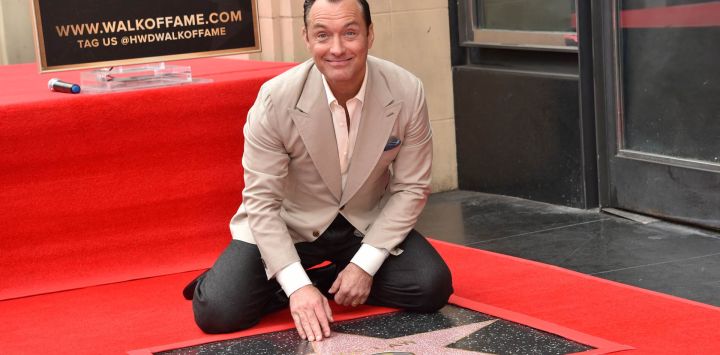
<point>651,322</point>
<point>114,319</point>
<point>109,202</point>
<point>108,188</point>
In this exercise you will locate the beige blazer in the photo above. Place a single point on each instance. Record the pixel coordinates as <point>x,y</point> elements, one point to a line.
<point>292,171</point>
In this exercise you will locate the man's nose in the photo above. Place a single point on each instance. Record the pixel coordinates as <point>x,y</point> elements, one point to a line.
<point>338,47</point>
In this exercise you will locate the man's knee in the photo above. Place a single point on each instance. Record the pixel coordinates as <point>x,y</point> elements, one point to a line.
<point>434,289</point>
<point>231,295</point>
<point>219,308</point>
<point>217,317</point>
<point>433,278</point>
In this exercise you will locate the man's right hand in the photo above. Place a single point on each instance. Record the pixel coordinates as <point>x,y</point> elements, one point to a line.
<point>311,312</point>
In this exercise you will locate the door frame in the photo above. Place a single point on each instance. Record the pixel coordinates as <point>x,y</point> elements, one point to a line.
<point>682,190</point>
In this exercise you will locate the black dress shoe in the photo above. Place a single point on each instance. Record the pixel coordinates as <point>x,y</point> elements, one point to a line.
<point>189,290</point>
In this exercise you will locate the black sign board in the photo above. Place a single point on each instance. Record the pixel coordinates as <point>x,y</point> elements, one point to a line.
<point>72,34</point>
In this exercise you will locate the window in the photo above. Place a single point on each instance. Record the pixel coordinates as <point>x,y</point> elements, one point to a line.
<point>543,24</point>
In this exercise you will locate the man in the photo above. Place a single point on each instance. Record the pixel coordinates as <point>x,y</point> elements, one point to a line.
<point>337,165</point>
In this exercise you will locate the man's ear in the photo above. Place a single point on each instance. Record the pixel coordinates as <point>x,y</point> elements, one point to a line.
<point>371,35</point>
<point>304,35</point>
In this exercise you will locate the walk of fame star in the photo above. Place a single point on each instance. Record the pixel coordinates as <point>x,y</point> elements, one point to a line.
<point>434,342</point>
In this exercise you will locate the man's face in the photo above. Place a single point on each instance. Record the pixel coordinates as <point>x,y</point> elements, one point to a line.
<point>338,39</point>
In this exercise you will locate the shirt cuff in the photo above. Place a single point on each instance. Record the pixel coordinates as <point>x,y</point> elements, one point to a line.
<point>370,258</point>
<point>292,277</point>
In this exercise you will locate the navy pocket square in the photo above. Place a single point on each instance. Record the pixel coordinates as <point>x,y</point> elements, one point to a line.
<point>392,143</point>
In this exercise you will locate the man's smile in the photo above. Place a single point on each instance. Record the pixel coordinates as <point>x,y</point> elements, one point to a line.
<point>338,62</point>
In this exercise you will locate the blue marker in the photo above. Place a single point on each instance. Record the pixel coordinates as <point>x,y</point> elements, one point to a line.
<point>60,86</point>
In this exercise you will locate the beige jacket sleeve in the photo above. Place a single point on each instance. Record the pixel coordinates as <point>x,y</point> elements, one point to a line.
<point>265,162</point>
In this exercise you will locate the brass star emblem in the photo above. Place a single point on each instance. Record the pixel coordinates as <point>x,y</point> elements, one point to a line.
<point>434,342</point>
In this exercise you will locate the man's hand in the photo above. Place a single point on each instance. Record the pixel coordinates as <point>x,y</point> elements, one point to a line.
<point>311,312</point>
<point>352,286</point>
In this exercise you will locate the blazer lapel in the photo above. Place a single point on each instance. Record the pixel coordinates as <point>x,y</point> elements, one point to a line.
<point>378,118</point>
<point>314,123</point>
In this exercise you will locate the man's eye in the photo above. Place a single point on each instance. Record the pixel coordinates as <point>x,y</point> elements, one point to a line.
<point>321,36</point>
<point>351,33</point>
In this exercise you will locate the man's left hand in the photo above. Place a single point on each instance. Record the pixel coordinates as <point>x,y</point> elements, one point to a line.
<point>352,286</point>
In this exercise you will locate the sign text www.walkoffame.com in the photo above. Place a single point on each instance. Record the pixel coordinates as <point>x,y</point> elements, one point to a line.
<point>86,31</point>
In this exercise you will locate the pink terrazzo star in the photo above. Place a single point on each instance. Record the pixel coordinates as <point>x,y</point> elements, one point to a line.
<point>431,343</point>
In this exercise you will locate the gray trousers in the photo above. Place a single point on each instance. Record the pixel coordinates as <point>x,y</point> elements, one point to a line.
<point>235,293</point>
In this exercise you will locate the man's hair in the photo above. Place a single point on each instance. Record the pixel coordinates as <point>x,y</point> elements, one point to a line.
<point>363,4</point>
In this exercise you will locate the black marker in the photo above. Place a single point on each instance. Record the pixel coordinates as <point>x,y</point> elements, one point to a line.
<point>56,84</point>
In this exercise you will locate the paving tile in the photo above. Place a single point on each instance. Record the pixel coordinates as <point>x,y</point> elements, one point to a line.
<point>665,257</point>
<point>606,245</point>
<point>467,218</point>
<point>696,279</point>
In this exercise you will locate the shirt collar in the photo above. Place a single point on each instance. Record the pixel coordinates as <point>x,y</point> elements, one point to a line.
<point>360,95</point>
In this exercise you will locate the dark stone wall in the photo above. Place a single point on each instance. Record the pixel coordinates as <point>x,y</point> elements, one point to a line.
<point>519,134</point>
<point>524,127</point>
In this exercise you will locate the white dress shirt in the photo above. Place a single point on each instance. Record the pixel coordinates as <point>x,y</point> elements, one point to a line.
<point>368,258</point>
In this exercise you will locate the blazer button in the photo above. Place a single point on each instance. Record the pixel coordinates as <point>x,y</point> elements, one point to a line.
<point>316,234</point>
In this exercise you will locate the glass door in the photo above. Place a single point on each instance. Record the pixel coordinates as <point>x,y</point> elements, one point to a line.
<point>658,100</point>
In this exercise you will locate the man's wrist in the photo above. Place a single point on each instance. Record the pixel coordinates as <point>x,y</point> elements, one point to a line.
<point>292,277</point>
<point>370,258</point>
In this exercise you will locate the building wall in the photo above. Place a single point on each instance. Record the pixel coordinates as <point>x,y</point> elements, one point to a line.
<point>16,37</point>
<point>412,33</point>
<point>3,41</point>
